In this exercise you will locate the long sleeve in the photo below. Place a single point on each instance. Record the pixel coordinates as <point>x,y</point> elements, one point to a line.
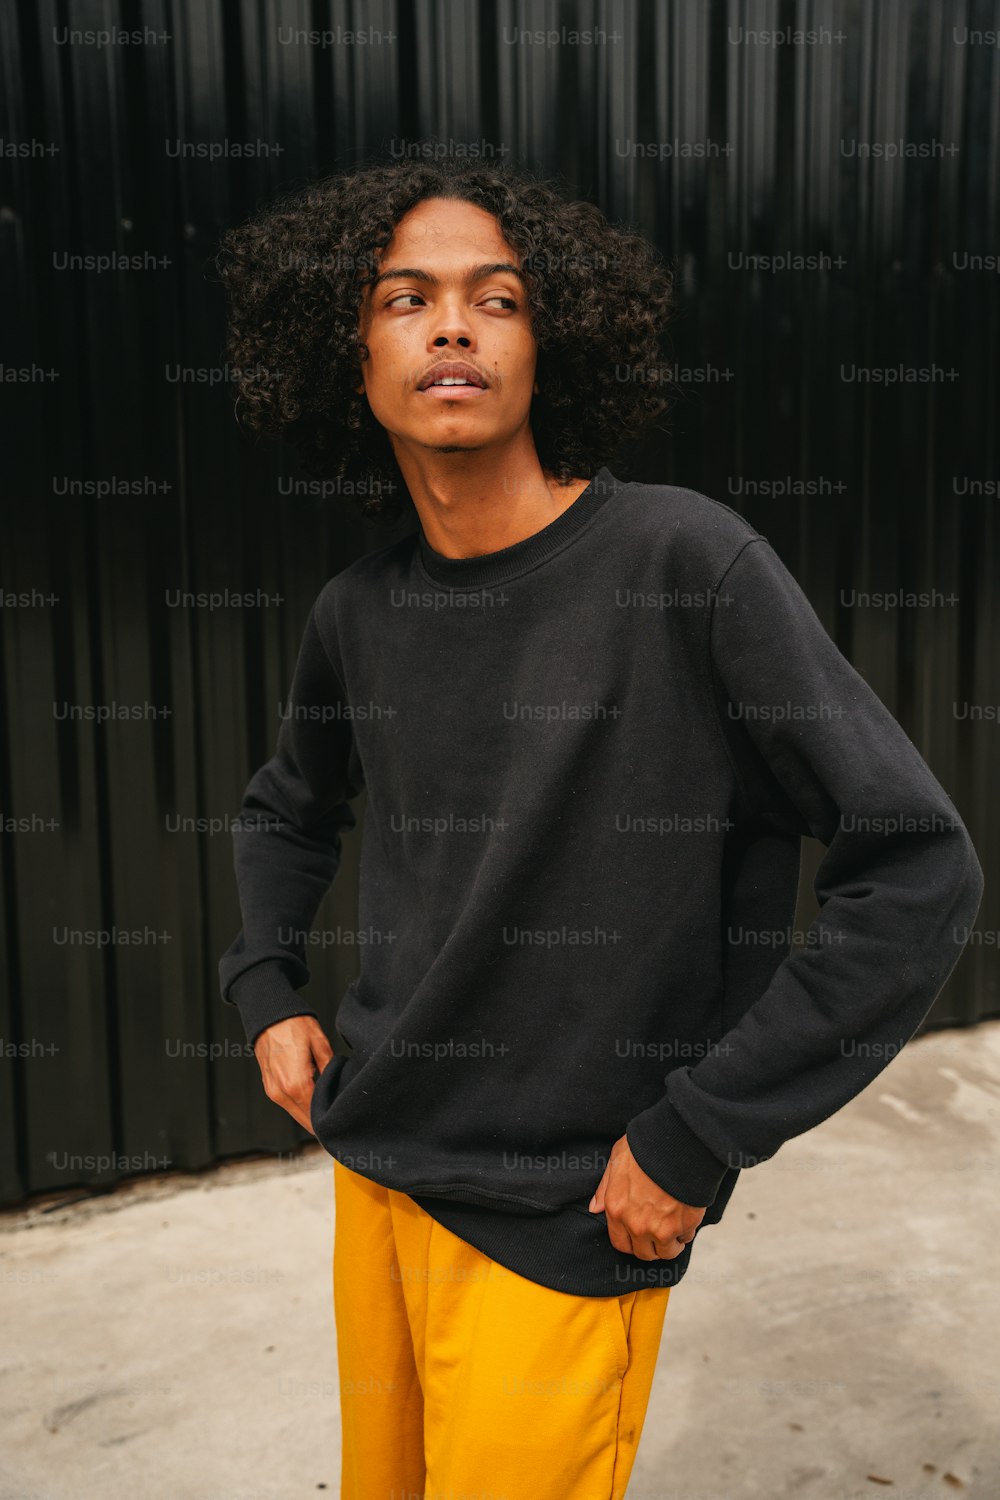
<point>286,842</point>
<point>815,752</point>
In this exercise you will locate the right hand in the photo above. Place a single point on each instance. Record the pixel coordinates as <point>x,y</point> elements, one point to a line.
<point>289,1053</point>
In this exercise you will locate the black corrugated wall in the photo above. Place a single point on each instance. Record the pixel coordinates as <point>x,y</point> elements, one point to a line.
<point>848,409</point>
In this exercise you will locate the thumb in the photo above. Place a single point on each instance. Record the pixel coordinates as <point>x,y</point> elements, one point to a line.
<point>596,1204</point>
<point>321,1051</point>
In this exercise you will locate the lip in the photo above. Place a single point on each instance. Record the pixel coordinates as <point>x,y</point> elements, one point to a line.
<point>453,392</point>
<point>461,370</point>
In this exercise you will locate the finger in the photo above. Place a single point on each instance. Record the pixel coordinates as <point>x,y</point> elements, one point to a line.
<point>643,1247</point>
<point>668,1249</point>
<point>293,1075</point>
<point>299,1115</point>
<point>619,1236</point>
<point>652,1248</point>
<point>322,1052</point>
<point>295,1100</point>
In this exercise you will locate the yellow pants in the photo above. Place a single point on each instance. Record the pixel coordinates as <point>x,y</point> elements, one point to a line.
<point>460,1380</point>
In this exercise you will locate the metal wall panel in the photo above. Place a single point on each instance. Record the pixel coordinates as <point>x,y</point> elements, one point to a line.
<point>107,1060</point>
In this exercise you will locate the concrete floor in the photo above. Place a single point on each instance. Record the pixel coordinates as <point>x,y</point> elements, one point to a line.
<point>837,1336</point>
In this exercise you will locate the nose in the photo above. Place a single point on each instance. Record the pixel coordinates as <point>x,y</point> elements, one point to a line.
<point>451,327</point>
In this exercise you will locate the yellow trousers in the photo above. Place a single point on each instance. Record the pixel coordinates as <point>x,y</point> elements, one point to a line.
<point>460,1380</point>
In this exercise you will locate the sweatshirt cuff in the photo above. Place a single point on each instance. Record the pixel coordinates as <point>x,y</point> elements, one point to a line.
<point>263,996</point>
<point>668,1150</point>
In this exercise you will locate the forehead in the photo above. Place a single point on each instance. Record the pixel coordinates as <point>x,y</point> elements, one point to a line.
<point>445,232</point>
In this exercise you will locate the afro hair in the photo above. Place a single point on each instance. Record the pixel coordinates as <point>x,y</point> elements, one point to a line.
<point>599,296</point>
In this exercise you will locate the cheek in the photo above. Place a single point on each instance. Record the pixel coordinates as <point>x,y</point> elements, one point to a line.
<point>376,372</point>
<point>388,364</point>
<point>527,362</point>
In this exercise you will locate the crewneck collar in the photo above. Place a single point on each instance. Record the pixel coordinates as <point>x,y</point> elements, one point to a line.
<point>510,562</point>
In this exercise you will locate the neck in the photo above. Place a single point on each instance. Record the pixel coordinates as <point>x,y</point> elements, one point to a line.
<point>474,502</point>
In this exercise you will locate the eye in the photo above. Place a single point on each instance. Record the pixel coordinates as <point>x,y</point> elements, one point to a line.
<point>509,302</point>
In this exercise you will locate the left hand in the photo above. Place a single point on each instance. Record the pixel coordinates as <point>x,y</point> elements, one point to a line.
<point>643,1220</point>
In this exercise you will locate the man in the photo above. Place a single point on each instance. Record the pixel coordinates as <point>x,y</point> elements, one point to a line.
<point>593,720</point>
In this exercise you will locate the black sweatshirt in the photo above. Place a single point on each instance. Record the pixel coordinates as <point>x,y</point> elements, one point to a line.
<point>589,760</point>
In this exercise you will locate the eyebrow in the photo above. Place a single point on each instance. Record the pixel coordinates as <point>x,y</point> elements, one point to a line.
<point>473,274</point>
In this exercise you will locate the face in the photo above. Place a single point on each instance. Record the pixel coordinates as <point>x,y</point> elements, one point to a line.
<point>438,303</point>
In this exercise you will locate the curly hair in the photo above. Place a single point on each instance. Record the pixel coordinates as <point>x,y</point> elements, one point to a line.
<point>599,296</point>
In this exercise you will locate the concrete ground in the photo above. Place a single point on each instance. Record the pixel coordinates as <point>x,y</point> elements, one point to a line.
<point>837,1336</point>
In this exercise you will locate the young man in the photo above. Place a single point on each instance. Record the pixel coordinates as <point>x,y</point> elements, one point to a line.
<point>593,720</point>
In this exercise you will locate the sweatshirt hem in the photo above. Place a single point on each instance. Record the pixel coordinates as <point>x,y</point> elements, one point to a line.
<point>586,1264</point>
